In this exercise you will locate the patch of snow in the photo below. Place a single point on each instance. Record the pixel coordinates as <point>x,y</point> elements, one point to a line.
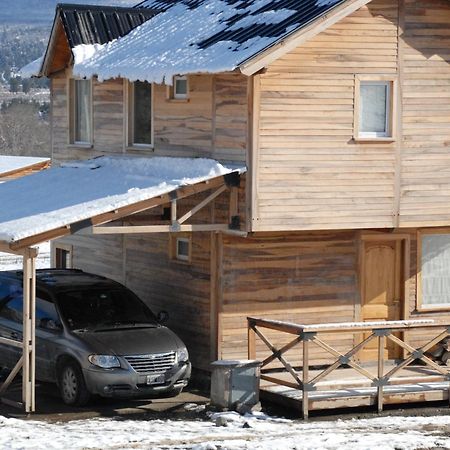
<point>240,432</point>
<point>32,69</point>
<point>266,17</point>
<point>64,195</point>
<point>85,51</point>
<point>167,44</point>
<point>14,262</point>
<point>12,163</point>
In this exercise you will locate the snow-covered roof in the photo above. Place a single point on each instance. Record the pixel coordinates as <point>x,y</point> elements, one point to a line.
<point>197,36</point>
<point>10,164</point>
<point>80,190</point>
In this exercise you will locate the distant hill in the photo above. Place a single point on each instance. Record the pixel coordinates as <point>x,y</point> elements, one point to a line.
<point>41,12</point>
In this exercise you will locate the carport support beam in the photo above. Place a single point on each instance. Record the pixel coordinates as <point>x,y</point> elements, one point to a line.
<point>29,324</point>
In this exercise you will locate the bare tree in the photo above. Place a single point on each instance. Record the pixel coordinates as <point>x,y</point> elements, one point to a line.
<point>23,130</point>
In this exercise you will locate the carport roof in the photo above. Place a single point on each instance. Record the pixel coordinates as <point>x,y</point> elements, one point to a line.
<point>80,194</point>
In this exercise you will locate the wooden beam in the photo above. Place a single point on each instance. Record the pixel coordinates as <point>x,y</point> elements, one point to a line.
<point>146,229</point>
<point>202,204</point>
<point>11,376</point>
<point>119,213</point>
<point>253,65</point>
<point>11,342</point>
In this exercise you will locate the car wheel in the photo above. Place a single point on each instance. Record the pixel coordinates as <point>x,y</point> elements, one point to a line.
<point>72,386</point>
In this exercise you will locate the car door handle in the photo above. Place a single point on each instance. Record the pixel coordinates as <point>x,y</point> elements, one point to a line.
<point>14,335</point>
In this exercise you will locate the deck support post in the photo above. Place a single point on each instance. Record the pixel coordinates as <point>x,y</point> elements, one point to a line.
<point>381,340</point>
<point>29,323</point>
<point>251,342</point>
<point>305,373</point>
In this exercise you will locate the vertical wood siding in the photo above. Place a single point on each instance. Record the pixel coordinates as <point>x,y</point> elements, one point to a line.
<point>311,174</point>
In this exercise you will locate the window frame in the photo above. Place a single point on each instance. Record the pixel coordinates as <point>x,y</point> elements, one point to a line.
<point>420,306</point>
<point>129,116</point>
<point>173,248</point>
<point>391,109</point>
<point>176,95</point>
<point>55,256</point>
<point>72,113</point>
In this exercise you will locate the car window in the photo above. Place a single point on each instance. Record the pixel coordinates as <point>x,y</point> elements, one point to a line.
<point>47,317</point>
<point>12,308</point>
<point>103,308</point>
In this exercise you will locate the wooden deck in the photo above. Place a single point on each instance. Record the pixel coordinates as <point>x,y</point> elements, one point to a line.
<point>345,380</point>
<point>345,388</point>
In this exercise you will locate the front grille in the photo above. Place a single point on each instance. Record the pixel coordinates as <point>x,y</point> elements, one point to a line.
<point>154,363</point>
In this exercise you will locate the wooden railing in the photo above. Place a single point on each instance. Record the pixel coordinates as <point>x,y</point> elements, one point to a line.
<point>306,335</point>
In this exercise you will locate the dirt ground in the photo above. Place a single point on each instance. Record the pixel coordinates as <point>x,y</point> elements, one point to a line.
<point>49,408</point>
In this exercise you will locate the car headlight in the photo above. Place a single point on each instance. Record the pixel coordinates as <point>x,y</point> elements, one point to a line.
<point>104,361</point>
<point>183,355</point>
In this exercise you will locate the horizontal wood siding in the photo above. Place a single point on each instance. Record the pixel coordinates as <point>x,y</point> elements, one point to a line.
<point>426,114</point>
<point>311,174</point>
<point>301,278</point>
<point>212,123</point>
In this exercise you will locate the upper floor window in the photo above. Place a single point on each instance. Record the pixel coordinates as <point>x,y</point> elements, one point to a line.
<point>81,111</point>
<point>180,87</point>
<point>374,108</point>
<point>140,114</point>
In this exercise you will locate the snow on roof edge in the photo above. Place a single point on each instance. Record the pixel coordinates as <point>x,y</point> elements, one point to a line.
<point>77,191</point>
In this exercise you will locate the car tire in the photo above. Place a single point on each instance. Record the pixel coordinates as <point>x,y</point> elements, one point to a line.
<point>72,386</point>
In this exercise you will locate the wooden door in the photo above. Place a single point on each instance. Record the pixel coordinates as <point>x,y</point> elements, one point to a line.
<point>381,291</point>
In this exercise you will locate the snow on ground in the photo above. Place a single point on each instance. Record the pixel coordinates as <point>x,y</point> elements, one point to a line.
<point>79,190</point>
<point>14,262</point>
<point>250,432</point>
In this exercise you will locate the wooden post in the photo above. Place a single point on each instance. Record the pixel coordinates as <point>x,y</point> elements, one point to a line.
<point>251,342</point>
<point>381,340</point>
<point>29,323</point>
<point>305,406</point>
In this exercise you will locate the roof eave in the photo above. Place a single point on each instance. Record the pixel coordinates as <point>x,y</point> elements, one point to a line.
<point>289,42</point>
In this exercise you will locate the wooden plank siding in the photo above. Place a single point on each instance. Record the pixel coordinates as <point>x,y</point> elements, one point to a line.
<point>426,114</point>
<point>303,278</point>
<point>211,123</point>
<point>311,173</point>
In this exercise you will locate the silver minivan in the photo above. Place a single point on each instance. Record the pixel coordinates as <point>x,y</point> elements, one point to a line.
<point>93,337</point>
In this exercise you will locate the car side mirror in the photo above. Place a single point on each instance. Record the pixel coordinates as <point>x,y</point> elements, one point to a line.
<point>163,316</point>
<point>50,324</point>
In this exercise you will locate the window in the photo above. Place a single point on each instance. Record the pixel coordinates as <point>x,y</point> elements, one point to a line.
<point>62,256</point>
<point>140,114</point>
<point>434,270</point>
<point>81,112</point>
<point>11,305</point>
<point>374,108</point>
<point>181,247</point>
<point>180,87</point>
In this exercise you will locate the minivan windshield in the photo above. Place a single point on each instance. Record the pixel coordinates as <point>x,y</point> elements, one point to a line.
<point>97,309</point>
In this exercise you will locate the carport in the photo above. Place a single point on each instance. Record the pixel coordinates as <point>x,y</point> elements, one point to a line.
<point>94,197</point>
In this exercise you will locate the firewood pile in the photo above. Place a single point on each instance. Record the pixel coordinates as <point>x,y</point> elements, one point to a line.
<point>440,353</point>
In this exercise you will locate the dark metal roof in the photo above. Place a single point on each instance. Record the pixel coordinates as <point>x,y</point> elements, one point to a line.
<point>303,12</point>
<point>90,24</point>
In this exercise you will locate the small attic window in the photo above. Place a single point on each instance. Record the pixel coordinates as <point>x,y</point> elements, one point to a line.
<point>179,89</point>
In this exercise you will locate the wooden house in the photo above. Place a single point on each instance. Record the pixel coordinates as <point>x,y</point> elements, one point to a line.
<point>341,115</point>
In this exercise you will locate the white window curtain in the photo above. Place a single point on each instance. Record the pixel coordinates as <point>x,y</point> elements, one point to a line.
<point>435,267</point>
<point>82,110</point>
<point>374,108</point>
